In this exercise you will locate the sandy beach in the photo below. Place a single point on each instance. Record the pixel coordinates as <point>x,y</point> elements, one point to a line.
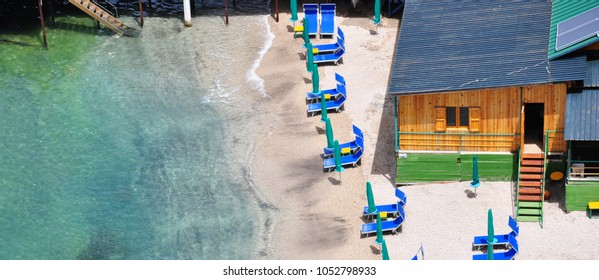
<point>317,215</point>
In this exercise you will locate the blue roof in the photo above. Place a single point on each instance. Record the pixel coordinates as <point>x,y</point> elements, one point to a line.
<point>460,45</point>
<point>582,109</point>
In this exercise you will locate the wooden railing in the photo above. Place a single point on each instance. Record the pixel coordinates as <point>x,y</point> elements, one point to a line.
<point>476,142</point>
<point>580,169</point>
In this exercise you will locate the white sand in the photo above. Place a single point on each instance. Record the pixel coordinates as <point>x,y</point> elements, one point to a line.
<point>318,215</point>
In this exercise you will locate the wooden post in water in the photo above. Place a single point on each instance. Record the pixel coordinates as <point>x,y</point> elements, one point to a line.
<point>227,12</point>
<point>277,9</point>
<point>141,14</point>
<point>43,24</point>
<point>187,13</point>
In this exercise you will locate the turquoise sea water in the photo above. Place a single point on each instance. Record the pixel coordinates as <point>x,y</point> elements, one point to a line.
<point>115,148</point>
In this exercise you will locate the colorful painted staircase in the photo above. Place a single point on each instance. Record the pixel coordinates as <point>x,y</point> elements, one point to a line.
<point>103,16</point>
<point>530,188</point>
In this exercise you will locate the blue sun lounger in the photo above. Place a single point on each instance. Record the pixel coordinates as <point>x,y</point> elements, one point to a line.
<point>352,159</point>
<point>329,48</point>
<point>333,57</point>
<point>401,196</point>
<point>502,239</point>
<point>333,92</point>
<point>327,19</point>
<point>392,209</point>
<point>502,256</point>
<point>392,225</point>
<point>339,89</point>
<point>336,105</point>
<point>357,143</point>
<point>311,13</point>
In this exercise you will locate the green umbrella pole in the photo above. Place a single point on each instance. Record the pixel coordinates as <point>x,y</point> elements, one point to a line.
<point>379,229</point>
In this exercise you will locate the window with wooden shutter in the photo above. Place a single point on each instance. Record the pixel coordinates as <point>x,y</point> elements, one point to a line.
<point>440,124</point>
<point>474,119</point>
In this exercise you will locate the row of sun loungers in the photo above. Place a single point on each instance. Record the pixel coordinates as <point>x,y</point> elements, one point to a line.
<point>352,159</point>
<point>508,241</point>
<point>391,225</point>
<point>504,255</point>
<point>386,226</point>
<point>391,209</point>
<point>502,239</point>
<point>353,145</point>
<point>332,47</point>
<point>331,57</point>
<point>336,105</point>
<point>327,18</point>
<point>333,92</point>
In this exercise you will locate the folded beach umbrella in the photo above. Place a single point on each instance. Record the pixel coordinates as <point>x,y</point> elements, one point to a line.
<point>337,154</point>
<point>377,12</point>
<point>315,79</point>
<point>309,57</point>
<point>293,8</point>
<point>323,107</point>
<point>329,133</point>
<point>475,182</point>
<point>370,197</point>
<point>490,235</point>
<point>384,251</point>
<point>305,32</point>
<point>379,230</point>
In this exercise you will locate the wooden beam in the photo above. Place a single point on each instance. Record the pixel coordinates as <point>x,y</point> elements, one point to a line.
<point>43,24</point>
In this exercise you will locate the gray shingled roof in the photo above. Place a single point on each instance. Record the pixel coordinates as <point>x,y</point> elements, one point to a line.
<point>470,44</point>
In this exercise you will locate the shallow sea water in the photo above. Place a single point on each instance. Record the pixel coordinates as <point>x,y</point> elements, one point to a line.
<point>116,147</point>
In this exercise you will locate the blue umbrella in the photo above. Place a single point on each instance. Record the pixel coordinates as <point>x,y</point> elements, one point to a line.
<point>385,253</point>
<point>329,133</point>
<point>379,230</point>
<point>370,197</point>
<point>337,154</point>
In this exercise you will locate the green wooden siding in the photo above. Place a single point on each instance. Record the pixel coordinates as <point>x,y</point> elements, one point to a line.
<point>417,168</point>
<point>578,195</point>
<point>563,10</point>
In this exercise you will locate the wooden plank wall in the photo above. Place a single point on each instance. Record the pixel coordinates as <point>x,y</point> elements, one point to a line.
<point>499,114</point>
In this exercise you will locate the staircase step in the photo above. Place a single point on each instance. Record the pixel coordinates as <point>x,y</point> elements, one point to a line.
<point>527,191</point>
<point>529,218</point>
<point>531,162</point>
<point>530,198</point>
<point>530,204</point>
<point>537,156</point>
<point>531,176</point>
<point>529,169</point>
<point>530,183</point>
<point>530,211</point>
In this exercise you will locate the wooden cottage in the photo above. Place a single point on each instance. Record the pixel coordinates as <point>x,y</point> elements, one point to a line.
<point>473,78</point>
